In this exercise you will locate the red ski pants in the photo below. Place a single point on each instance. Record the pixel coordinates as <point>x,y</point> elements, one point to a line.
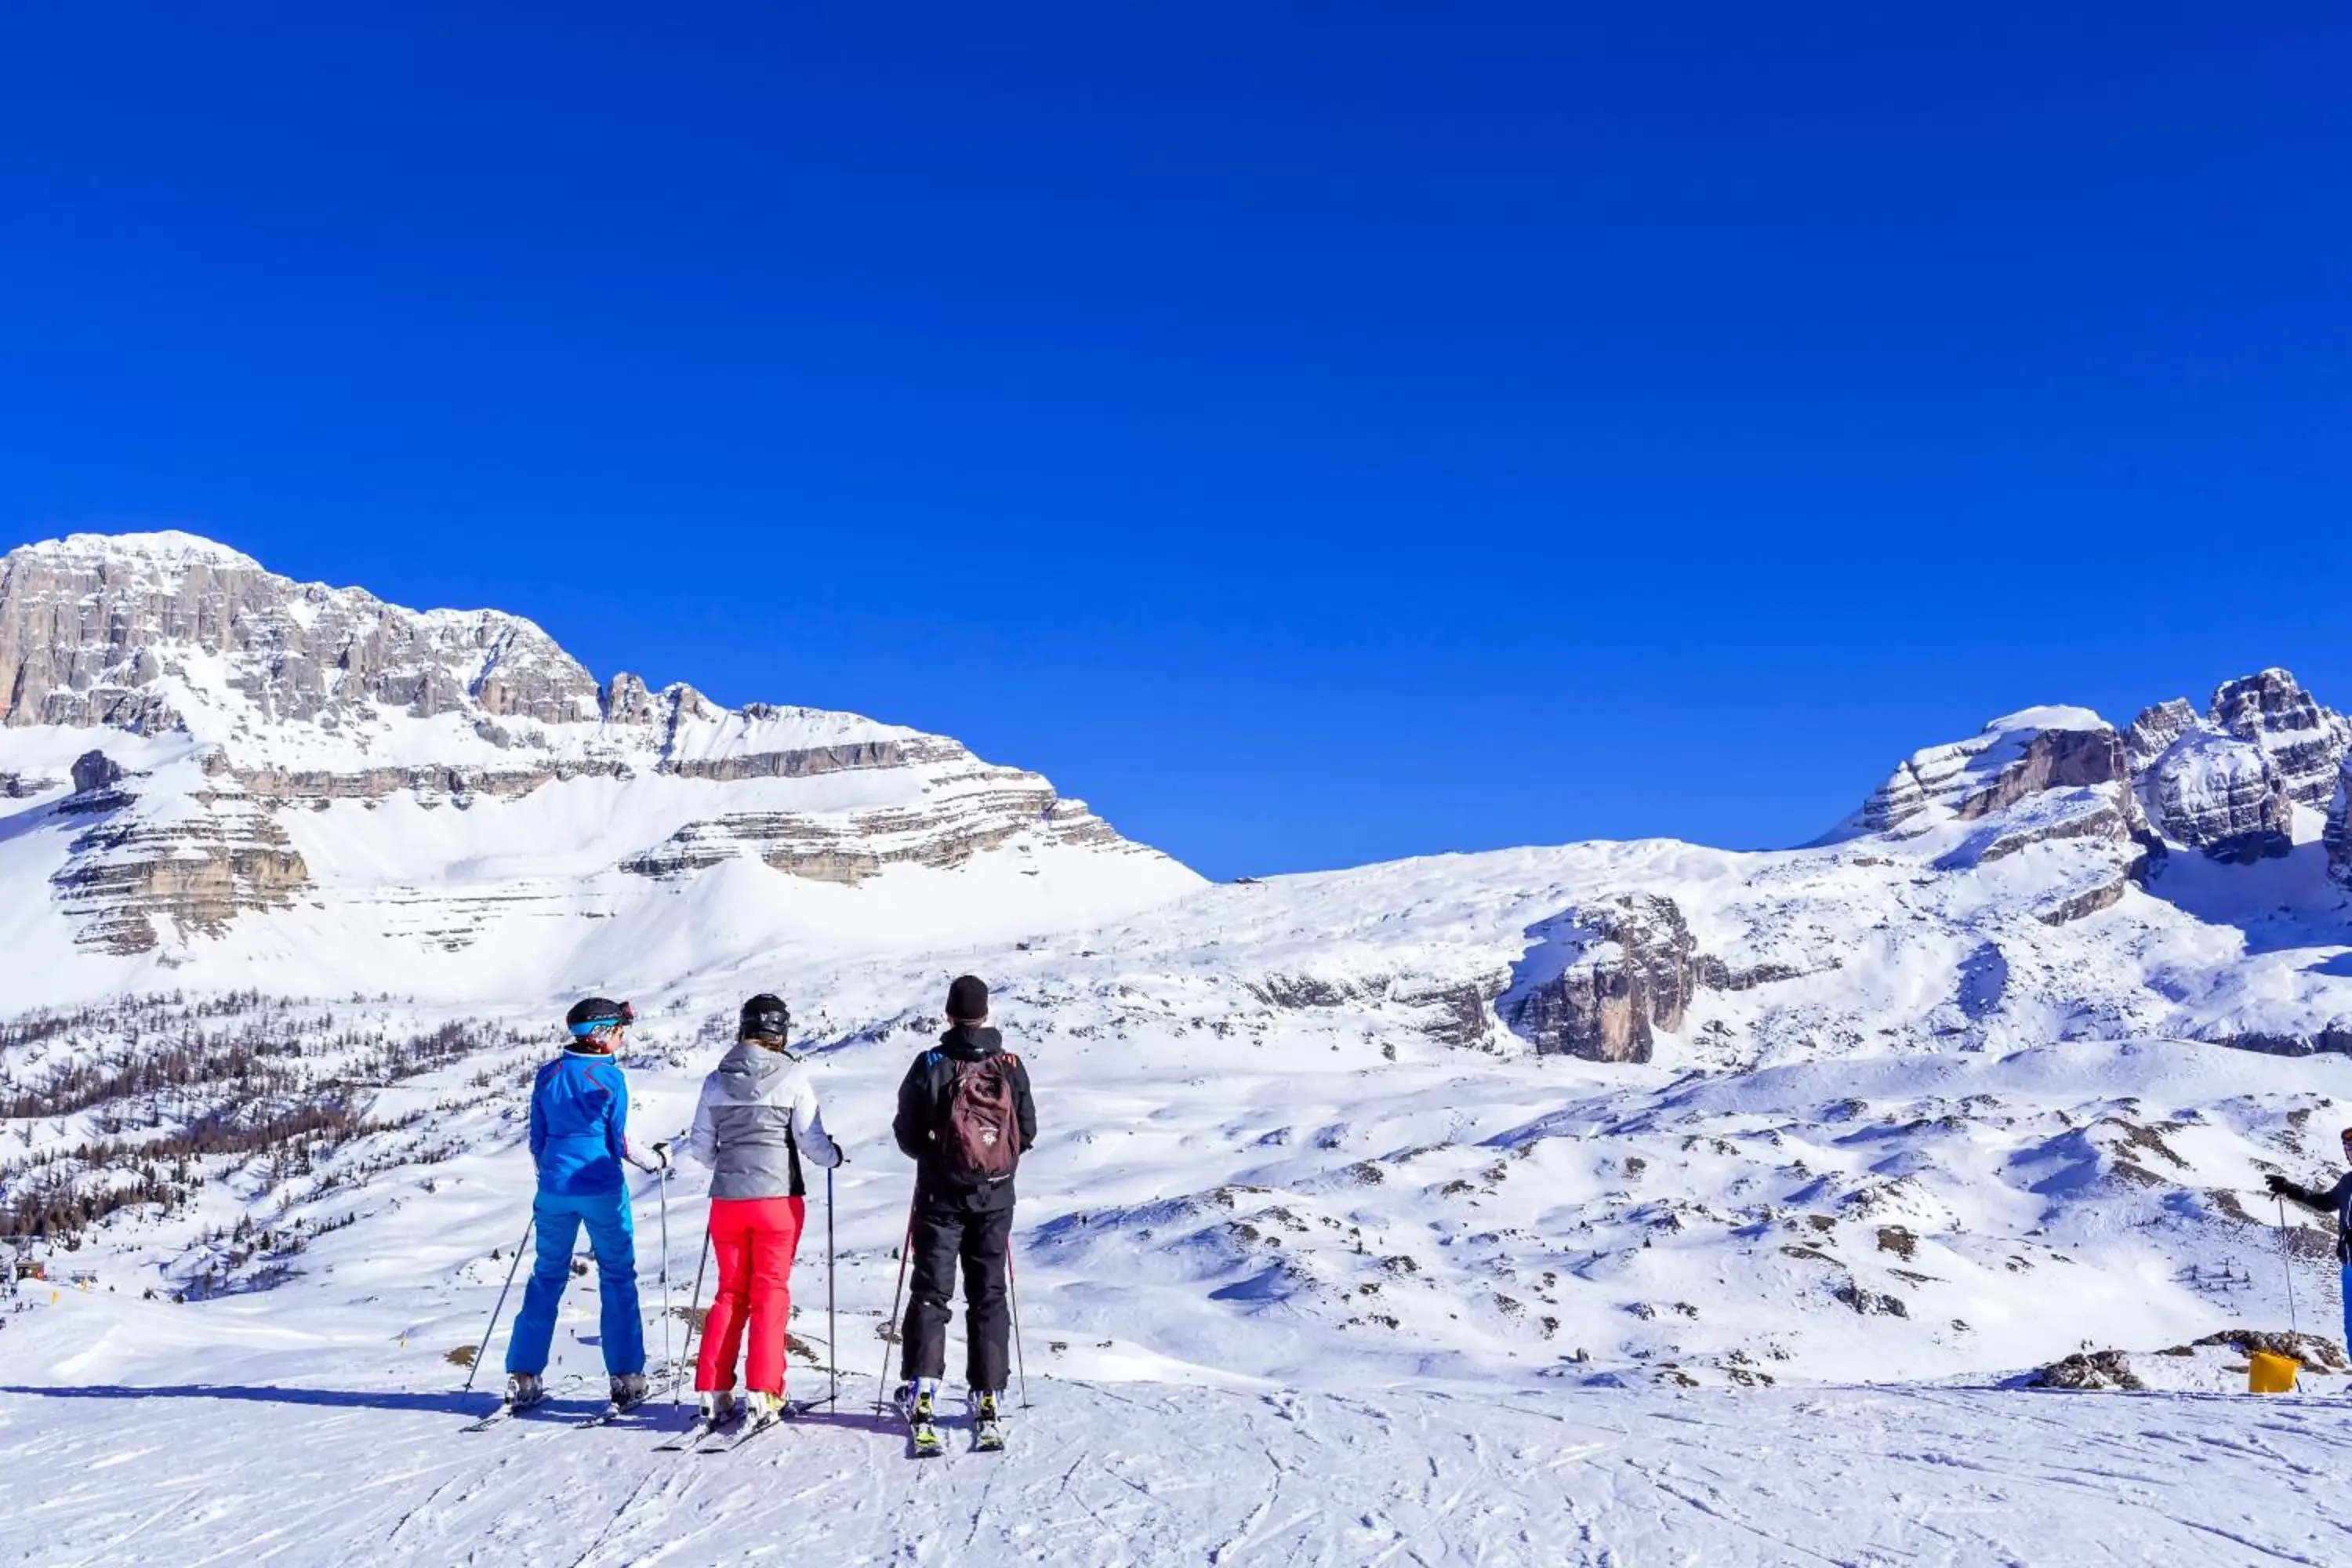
<point>755,1240</point>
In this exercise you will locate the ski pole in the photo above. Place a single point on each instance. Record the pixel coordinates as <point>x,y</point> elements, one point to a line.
<point>1013,1294</point>
<point>474,1369</point>
<point>882,1380</point>
<point>690,1300</point>
<point>662,1177</point>
<point>831,1328</point>
<point>2286,1257</point>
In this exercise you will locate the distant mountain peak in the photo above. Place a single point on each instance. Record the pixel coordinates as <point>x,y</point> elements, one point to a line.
<point>165,546</point>
<point>217,696</point>
<point>2226,782</point>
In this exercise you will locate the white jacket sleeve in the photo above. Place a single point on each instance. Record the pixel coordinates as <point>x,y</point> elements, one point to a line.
<point>808,1124</point>
<point>702,1141</point>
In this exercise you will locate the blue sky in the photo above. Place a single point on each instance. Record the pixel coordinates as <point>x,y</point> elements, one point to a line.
<point>1313,433</point>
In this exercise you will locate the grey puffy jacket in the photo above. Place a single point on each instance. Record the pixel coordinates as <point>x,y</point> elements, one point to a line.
<point>758,1114</point>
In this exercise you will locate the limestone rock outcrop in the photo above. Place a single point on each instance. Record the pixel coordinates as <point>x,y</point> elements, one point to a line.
<point>2222,796</point>
<point>1602,980</point>
<point>2226,782</point>
<point>95,629</point>
<point>250,701</point>
<point>2156,729</point>
<point>133,881</point>
<point>94,771</point>
<point>2306,742</point>
<point>2338,834</point>
<point>2013,759</point>
<point>2052,759</point>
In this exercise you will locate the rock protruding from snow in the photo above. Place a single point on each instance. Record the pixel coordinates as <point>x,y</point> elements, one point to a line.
<point>2014,757</point>
<point>2221,795</point>
<point>261,714</point>
<point>2339,836</point>
<point>94,771</point>
<point>2052,759</point>
<point>124,630</point>
<point>133,881</point>
<point>2156,729</point>
<point>2306,742</point>
<point>1602,980</point>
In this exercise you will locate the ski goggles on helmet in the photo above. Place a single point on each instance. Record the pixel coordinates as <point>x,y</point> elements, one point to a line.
<point>621,1018</point>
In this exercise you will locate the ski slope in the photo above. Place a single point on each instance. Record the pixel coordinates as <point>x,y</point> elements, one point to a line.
<point>1618,1202</point>
<point>288,1454</point>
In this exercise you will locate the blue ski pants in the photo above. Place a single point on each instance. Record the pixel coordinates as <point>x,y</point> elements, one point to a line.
<point>614,1237</point>
<point>2347,1306</point>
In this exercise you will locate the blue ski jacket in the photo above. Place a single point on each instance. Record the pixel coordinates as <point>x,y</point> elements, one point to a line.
<point>579,1125</point>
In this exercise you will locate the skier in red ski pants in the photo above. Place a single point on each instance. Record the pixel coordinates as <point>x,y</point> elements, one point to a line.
<point>758,1114</point>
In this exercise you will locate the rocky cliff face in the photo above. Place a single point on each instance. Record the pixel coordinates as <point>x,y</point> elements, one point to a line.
<point>2222,796</point>
<point>113,630</point>
<point>2022,755</point>
<point>2226,782</point>
<point>2305,742</point>
<point>2156,729</point>
<point>1603,978</point>
<point>2338,838</point>
<point>216,707</point>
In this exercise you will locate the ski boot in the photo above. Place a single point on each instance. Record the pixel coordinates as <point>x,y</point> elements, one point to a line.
<point>629,1389</point>
<point>987,1423</point>
<point>916,1400</point>
<point>762,1410</point>
<point>524,1389</point>
<point>719,1408</point>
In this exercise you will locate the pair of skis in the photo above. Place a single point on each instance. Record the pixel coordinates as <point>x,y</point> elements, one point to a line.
<point>507,1410</point>
<point>731,1431</point>
<point>614,1409</point>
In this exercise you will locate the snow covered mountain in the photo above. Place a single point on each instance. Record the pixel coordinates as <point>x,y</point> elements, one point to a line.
<point>257,781</point>
<point>1987,1074</point>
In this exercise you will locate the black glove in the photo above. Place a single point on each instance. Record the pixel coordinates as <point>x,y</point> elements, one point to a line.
<point>2277,1184</point>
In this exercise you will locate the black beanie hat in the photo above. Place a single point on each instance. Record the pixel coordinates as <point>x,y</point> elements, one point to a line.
<point>765,1015</point>
<point>968,999</point>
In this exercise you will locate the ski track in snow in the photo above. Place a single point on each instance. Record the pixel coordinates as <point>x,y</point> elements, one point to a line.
<point>1161,1474</point>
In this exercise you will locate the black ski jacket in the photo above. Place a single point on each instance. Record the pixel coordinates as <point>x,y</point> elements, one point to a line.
<point>922,1106</point>
<point>2335,1200</point>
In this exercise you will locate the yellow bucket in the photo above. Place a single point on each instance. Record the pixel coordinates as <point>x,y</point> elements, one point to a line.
<point>2268,1373</point>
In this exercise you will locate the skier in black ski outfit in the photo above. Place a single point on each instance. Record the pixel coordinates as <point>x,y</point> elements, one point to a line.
<point>965,1117</point>
<point>2335,1200</point>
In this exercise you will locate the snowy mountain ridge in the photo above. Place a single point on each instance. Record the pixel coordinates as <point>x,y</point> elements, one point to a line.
<point>1986,1076</point>
<point>234,773</point>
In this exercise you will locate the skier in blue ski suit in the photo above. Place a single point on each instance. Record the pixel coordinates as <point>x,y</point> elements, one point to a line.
<point>579,1140</point>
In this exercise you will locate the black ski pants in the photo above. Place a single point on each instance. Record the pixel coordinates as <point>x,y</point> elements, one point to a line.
<point>941,1237</point>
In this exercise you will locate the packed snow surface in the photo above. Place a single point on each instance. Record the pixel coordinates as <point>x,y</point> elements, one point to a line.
<point>283,1450</point>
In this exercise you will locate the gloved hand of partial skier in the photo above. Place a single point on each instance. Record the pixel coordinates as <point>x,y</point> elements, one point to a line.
<point>2277,1184</point>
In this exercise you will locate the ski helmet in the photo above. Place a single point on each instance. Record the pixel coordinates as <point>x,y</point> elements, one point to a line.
<point>595,1013</point>
<point>765,1016</point>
